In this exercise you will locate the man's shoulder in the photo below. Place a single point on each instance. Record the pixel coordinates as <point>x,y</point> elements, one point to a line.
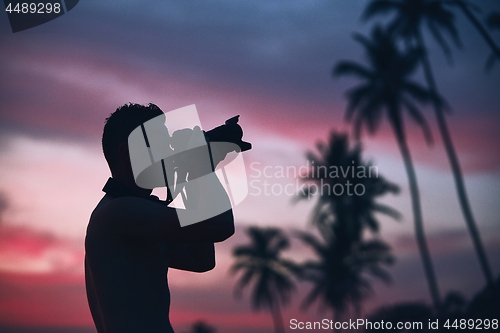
<point>107,214</point>
<point>101,208</point>
<point>110,205</point>
<point>121,210</point>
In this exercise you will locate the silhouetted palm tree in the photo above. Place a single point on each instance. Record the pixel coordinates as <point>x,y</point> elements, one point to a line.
<point>201,327</point>
<point>339,174</point>
<point>486,303</point>
<point>465,7</point>
<point>408,22</point>
<point>411,15</point>
<point>339,273</point>
<point>260,262</point>
<point>388,90</point>
<point>493,22</point>
<point>417,316</point>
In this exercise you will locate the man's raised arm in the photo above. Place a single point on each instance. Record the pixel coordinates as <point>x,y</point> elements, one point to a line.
<point>148,219</point>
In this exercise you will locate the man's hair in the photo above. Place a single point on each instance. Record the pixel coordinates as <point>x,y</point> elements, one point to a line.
<point>120,124</point>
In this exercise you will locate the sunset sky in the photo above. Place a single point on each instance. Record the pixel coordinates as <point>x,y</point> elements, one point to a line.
<point>269,61</point>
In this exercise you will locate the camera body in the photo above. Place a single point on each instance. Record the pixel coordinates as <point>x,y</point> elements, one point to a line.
<point>159,159</point>
<point>221,141</point>
<point>229,132</point>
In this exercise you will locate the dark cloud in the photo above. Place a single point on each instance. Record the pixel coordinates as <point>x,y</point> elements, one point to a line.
<point>269,60</point>
<point>281,50</point>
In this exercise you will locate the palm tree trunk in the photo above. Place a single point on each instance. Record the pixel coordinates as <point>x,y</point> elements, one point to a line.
<point>456,170</point>
<point>417,217</point>
<point>479,27</point>
<point>277,318</point>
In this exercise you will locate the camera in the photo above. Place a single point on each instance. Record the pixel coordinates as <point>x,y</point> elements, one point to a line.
<point>229,132</point>
<point>158,158</point>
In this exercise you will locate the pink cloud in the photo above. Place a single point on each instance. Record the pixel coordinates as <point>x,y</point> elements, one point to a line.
<point>57,297</point>
<point>43,299</point>
<point>75,91</point>
<point>24,250</point>
<point>41,289</point>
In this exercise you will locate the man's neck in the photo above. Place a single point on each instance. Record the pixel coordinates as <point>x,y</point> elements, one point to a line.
<point>130,183</point>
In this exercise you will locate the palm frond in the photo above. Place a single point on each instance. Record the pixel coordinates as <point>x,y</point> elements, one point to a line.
<point>446,20</point>
<point>356,96</point>
<point>493,20</point>
<point>244,251</point>
<point>243,282</point>
<point>312,296</point>
<point>436,33</point>
<point>384,209</point>
<point>417,116</point>
<point>417,92</point>
<point>379,7</point>
<point>312,241</point>
<point>380,273</point>
<point>262,266</point>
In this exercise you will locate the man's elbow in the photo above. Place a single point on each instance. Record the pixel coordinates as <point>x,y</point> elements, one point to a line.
<point>199,267</point>
<point>206,266</point>
<point>225,233</point>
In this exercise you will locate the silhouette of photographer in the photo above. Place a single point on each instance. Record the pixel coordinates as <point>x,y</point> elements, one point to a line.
<point>133,237</point>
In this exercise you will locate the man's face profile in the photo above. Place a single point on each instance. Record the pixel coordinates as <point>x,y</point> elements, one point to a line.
<point>180,159</point>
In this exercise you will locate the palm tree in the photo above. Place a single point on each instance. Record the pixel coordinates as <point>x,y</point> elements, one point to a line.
<point>493,22</point>
<point>411,15</point>
<point>260,263</point>
<point>340,272</point>
<point>356,212</point>
<point>343,259</point>
<point>201,327</point>
<point>466,9</point>
<point>413,312</point>
<point>387,88</point>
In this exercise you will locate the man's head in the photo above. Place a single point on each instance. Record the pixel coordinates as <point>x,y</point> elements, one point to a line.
<point>117,129</point>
